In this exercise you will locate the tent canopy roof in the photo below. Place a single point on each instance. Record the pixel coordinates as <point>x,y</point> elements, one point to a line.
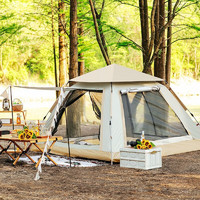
<point>115,73</point>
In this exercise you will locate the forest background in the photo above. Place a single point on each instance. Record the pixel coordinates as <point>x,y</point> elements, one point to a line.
<point>30,29</point>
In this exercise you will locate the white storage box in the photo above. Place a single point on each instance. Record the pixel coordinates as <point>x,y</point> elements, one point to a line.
<point>141,159</point>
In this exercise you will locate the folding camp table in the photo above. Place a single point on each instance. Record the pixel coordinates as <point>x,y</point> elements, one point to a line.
<point>28,143</point>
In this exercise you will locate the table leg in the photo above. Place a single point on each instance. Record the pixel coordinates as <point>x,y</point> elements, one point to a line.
<point>1,150</point>
<point>51,146</point>
<point>51,159</point>
<point>23,152</point>
<point>6,150</point>
<point>36,166</point>
<point>41,150</point>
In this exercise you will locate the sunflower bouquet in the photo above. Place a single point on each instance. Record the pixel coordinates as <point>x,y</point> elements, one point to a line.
<point>26,133</point>
<point>142,144</point>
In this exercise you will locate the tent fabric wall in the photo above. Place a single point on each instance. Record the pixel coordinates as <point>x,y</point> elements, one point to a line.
<point>113,133</point>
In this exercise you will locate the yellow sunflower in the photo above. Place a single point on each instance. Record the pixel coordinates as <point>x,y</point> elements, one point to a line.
<point>143,141</point>
<point>139,146</point>
<point>28,136</point>
<point>26,130</point>
<point>30,133</point>
<point>147,143</point>
<point>21,136</point>
<point>143,146</point>
<point>150,146</point>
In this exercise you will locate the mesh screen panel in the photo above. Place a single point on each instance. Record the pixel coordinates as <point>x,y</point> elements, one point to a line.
<point>90,104</point>
<point>89,112</point>
<point>96,99</point>
<point>149,112</point>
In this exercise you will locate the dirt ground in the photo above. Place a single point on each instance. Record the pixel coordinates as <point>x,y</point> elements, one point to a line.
<point>179,178</point>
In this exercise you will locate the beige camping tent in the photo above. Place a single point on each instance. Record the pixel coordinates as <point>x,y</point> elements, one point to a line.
<point>131,102</point>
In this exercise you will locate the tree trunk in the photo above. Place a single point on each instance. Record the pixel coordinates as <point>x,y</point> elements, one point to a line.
<point>73,112</point>
<point>62,44</point>
<point>62,50</point>
<point>157,15</point>
<point>81,69</point>
<point>98,36</point>
<point>144,24</point>
<point>73,67</point>
<point>54,48</point>
<point>100,27</point>
<point>159,70</point>
<point>143,8</point>
<point>169,40</point>
<point>158,27</point>
<point>80,55</point>
<point>147,43</point>
<point>162,46</point>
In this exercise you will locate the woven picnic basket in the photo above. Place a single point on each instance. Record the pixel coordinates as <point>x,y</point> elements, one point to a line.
<point>17,105</point>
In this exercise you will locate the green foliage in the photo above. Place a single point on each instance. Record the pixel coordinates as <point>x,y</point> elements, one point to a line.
<point>127,44</point>
<point>195,27</point>
<point>26,43</point>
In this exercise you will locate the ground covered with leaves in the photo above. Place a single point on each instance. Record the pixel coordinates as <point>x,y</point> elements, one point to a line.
<point>179,178</point>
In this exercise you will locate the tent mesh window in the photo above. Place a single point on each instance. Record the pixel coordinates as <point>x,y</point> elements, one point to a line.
<point>149,112</point>
<point>85,106</point>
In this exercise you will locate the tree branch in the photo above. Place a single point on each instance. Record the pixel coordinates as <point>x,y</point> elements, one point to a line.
<point>137,45</point>
<point>162,32</point>
<point>188,38</point>
<point>185,5</point>
<point>11,35</point>
<point>120,1</point>
<point>98,34</point>
<point>152,27</point>
<point>102,7</point>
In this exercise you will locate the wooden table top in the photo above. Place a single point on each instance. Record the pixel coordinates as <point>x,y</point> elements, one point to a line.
<point>40,139</point>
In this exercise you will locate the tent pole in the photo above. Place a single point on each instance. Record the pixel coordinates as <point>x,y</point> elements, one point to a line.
<point>67,133</point>
<point>11,107</point>
<point>110,124</point>
<point>66,84</point>
<point>11,104</point>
